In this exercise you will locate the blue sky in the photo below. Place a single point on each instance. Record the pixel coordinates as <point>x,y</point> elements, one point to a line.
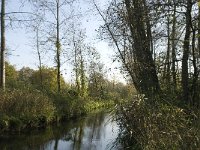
<point>18,41</point>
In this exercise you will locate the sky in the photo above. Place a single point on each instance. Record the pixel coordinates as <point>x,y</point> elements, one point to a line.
<point>21,53</point>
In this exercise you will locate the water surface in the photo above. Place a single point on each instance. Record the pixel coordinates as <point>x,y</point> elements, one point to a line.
<point>97,131</point>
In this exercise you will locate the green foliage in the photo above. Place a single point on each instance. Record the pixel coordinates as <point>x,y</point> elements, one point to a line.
<point>49,82</point>
<point>94,104</point>
<point>11,75</point>
<point>96,84</point>
<point>32,102</point>
<point>71,105</point>
<point>158,125</point>
<point>25,73</point>
<point>25,107</point>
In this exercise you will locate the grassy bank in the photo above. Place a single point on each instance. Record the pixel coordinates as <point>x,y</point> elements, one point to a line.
<point>25,109</point>
<point>152,125</point>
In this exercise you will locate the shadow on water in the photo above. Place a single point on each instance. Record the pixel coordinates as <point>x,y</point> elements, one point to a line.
<point>94,132</point>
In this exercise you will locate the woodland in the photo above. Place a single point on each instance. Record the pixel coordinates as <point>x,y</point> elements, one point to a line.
<point>158,46</point>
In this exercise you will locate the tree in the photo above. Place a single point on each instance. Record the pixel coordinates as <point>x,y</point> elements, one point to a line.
<point>49,76</point>
<point>80,50</point>
<point>58,45</point>
<point>139,23</point>
<point>36,27</point>
<point>128,25</point>
<point>11,76</point>
<point>198,52</point>
<point>3,44</point>
<point>173,36</point>
<point>37,43</point>
<point>194,86</point>
<point>186,49</point>
<point>97,81</point>
<point>167,62</point>
<point>2,82</point>
<point>95,73</point>
<point>39,55</point>
<point>25,73</point>
<point>83,90</point>
<point>55,24</point>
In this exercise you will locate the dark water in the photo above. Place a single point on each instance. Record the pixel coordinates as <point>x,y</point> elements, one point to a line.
<point>94,132</point>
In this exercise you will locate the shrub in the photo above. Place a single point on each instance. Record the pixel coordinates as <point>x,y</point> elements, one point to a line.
<point>69,104</point>
<point>26,107</point>
<point>157,125</point>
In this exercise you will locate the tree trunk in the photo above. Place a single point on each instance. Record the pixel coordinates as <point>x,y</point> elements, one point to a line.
<point>146,71</point>
<point>39,57</point>
<point>2,82</point>
<point>82,76</point>
<point>167,77</point>
<point>198,26</point>
<point>58,47</point>
<point>198,60</point>
<point>76,64</point>
<point>194,101</point>
<point>186,47</point>
<point>174,50</point>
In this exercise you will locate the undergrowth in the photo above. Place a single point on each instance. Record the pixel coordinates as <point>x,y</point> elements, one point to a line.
<point>155,125</point>
<point>24,109</point>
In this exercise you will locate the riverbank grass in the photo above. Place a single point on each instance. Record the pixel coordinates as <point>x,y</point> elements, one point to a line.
<point>25,109</point>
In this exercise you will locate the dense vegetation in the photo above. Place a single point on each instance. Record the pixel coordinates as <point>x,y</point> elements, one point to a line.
<point>158,44</point>
<point>157,125</point>
<point>26,104</point>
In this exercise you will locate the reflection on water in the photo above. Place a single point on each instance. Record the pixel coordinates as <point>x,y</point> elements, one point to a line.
<point>94,132</point>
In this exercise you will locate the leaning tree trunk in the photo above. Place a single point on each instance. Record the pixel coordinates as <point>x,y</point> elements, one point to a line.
<point>186,47</point>
<point>2,82</point>
<point>146,76</point>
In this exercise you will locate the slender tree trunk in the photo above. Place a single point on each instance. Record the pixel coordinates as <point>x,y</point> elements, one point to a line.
<point>174,50</point>
<point>76,65</point>
<point>77,72</point>
<point>56,144</point>
<point>2,82</point>
<point>83,79</point>
<point>194,101</point>
<point>149,33</point>
<point>199,29</point>
<point>198,60</point>
<point>186,47</point>
<point>39,57</point>
<point>167,77</point>
<point>58,47</point>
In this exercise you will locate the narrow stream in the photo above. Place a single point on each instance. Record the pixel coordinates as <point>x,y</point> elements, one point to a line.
<point>97,131</point>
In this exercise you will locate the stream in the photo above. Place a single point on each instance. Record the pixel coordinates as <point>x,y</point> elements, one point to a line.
<point>96,131</point>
